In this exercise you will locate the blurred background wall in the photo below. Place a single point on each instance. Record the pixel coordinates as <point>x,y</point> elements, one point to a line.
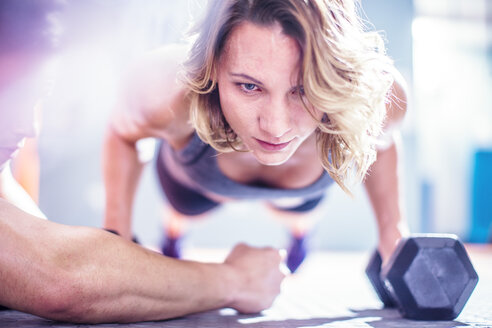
<point>453,101</point>
<point>442,47</point>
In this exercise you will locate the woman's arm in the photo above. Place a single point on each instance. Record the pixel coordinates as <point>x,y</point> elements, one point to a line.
<point>152,103</point>
<point>383,185</point>
<point>383,182</point>
<point>121,171</point>
<point>81,274</point>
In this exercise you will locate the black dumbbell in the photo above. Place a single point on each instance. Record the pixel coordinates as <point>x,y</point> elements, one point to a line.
<point>428,277</point>
<point>373,272</point>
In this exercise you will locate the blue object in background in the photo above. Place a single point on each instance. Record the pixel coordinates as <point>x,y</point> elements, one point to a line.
<point>482,197</point>
<point>426,207</point>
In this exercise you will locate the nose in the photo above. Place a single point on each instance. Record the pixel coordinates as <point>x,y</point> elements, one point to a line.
<point>275,119</point>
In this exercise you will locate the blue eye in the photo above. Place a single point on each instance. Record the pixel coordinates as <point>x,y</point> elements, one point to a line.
<point>298,90</point>
<point>248,87</point>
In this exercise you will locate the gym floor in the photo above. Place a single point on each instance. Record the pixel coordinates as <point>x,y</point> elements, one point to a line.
<point>330,290</point>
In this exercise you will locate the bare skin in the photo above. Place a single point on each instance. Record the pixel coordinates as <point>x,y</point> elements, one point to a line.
<point>81,274</point>
<point>25,168</point>
<point>258,94</point>
<point>13,192</point>
<point>383,182</point>
<point>88,275</point>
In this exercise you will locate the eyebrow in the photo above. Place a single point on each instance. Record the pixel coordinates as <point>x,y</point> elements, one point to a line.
<point>247,77</point>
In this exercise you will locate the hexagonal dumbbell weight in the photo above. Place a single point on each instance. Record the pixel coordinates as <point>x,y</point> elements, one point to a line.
<point>373,272</point>
<point>428,277</point>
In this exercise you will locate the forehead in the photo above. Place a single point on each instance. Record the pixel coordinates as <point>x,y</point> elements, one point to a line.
<point>261,48</point>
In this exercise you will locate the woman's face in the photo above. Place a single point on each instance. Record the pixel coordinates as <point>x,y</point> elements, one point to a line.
<point>259,92</point>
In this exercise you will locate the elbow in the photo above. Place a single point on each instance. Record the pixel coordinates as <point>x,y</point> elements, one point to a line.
<point>64,303</point>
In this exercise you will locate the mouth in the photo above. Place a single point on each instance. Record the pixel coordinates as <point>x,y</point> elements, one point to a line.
<point>272,146</point>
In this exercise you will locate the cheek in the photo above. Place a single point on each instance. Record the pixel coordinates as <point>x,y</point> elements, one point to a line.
<point>304,120</point>
<point>227,104</point>
<point>236,110</point>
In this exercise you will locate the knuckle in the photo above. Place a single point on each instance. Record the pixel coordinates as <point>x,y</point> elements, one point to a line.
<point>241,247</point>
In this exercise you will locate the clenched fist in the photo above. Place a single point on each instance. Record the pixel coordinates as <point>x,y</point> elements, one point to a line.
<point>259,273</point>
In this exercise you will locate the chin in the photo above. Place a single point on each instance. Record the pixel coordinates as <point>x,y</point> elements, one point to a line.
<point>272,159</point>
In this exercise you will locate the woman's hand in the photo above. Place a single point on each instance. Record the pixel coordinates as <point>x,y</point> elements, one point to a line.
<point>389,237</point>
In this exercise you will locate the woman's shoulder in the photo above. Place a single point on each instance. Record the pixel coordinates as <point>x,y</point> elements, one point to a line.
<point>152,96</point>
<point>396,106</point>
<point>153,78</point>
<point>166,58</point>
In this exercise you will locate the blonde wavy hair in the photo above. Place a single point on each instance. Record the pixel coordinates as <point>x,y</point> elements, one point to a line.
<point>344,72</point>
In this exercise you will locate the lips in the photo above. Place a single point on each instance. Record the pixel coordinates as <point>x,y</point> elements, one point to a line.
<point>272,146</point>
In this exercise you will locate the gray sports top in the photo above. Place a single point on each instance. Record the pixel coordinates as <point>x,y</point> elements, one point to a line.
<point>195,166</point>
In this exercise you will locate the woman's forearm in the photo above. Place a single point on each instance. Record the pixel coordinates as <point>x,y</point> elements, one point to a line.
<point>383,185</point>
<point>122,170</point>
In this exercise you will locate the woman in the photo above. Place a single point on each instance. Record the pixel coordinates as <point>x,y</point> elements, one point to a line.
<point>277,100</point>
<point>82,274</point>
